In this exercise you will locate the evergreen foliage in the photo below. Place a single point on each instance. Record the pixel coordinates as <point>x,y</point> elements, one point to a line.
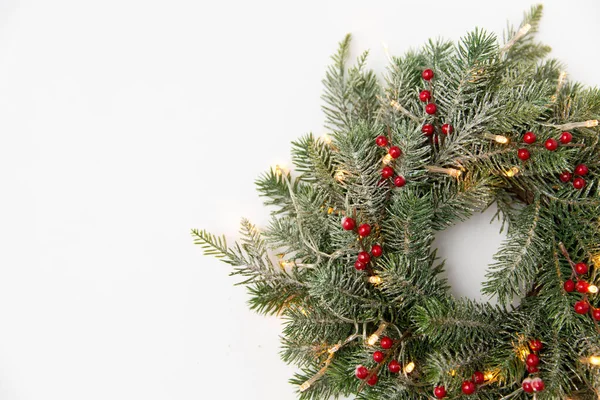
<point>483,86</point>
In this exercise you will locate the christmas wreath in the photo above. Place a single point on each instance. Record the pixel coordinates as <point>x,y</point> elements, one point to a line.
<point>347,259</point>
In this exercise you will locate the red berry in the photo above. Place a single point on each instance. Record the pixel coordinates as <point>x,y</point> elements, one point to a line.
<point>532,370</point>
<point>529,137</point>
<point>372,380</point>
<point>436,139</point>
<point>536,345</point>
<point>381,141</point>
<point>394,366</point>
<point>427,74</point>
<point>566,137</point>
<point>523,154</point>
<point>430,108</point>
<point>478,378</point>
<point>569,286</point>
<point>596,314</point>
<point>387,172</point>
<point>565,176</point>
<point>581,170</point>
<point>395,152</point>
<point>348,223</point>
<point>364,230</point>
<point>425,95</point>
<point>532,360</point>
<point>399,181</point>
<point>361,372</point>
<point>378,356</point>
<point>364,257</point>
<point>386,343</point>
<point>447,129</point>
<point>581,268</point>
<point>537,384</point>
<point>526,385</point>
<point>578,183</point>
<point>582,307</point>
<point>468,387</point>
<point>582,286</point>
<point>427,129</point>
<point>360,265</point>
<point>376,250</point>
<point>551,144</point>
<point>439,392</point>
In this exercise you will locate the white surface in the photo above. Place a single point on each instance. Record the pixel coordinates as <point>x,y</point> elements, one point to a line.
<point>126,123</point>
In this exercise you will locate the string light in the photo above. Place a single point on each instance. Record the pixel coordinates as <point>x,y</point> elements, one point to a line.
<point>452,372</point>
<point>594,360</point>
<point>512,172</point>
<point>497,138</point>
<point>375,280</point>
<point>326,139</point>
<point>375,336</point>
<point>593,289</point>
<point>279,170</point>
<point>449,171</point>
<point>409,367</point>
<point>286,263</point>
<point>591,123</point>
<point>330,210</point>
<point>387,159</point>
<point>339,175</point>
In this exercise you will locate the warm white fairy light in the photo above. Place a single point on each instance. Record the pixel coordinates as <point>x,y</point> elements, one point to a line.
<point>497,138</point>
<point>409,367</point>
<point>591,123</point>
<point>279,170</point>
<point>340,175</point>
<point>326,139</point>
<point>286,263</point>
<point>593,289</point>
<point>375,336</point>
<point>594,360</point>
<point>449,171</point>
<point>512,172</point>
<point>387,159</point>
<point>375,280</point>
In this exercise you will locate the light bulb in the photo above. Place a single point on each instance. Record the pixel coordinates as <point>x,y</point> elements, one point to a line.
<point>375,280</point>
<point>591,123</point>
<point>594,360</point>
<point>593,289</point>
<point>512,172</point>
<point>409,367</point>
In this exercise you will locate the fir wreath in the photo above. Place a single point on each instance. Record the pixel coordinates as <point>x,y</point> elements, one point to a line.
<point>455,127</point>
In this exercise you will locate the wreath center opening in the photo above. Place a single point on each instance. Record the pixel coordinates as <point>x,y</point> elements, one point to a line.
<point>468,248</point>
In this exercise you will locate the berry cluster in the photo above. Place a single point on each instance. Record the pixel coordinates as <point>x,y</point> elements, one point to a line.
<point>578,182</point>
<point>550,144</point>
<point>394,152</point>
<point>531,383</point>
<point>364,230</point>
<point>582,306</point>
<point>425,96</point>
<point>379,356</point>
<point>468,386</point>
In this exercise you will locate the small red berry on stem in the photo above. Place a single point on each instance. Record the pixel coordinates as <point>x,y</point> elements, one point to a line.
<point>596,314</point>
<point>387,172</point>
<point>526,385</point>
<point>565,176</point>
<point>582,286</point>
<point>566,137</point>
<point>430,108</point>
<point>378,356</point>
<point>372,380</point>
<point>537,384</point>
<point>364,230</point>
<point>551,144</point>
<point>395,152</point>
<point>523,154</point>
<point>386,343</point>
<point>468,387</point>
<point>532,360</point>
<point>581,268</point>
<point>381,141</point>
<point>532,370</point>
<point>578,183</point>
<point>529,137</point>
<point>364,257</point>
<point>361,372</point>
<point>360,266</point>
<point>582,307</point>
<point>394,366</point>
<point>569,286</point>
<point>581,170</point>
<point>399,181</point>
<point>348,223</point>
<point>478,378</point>
<point>376,250</point>
<point>447,129</point>
<point>536,345</point>
<point>427,74</point>
<point>427,129</point>
<point>425,95</point>
<point>439,392</point>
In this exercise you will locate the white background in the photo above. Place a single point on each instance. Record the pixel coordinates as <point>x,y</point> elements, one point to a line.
<point>125,123</point>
